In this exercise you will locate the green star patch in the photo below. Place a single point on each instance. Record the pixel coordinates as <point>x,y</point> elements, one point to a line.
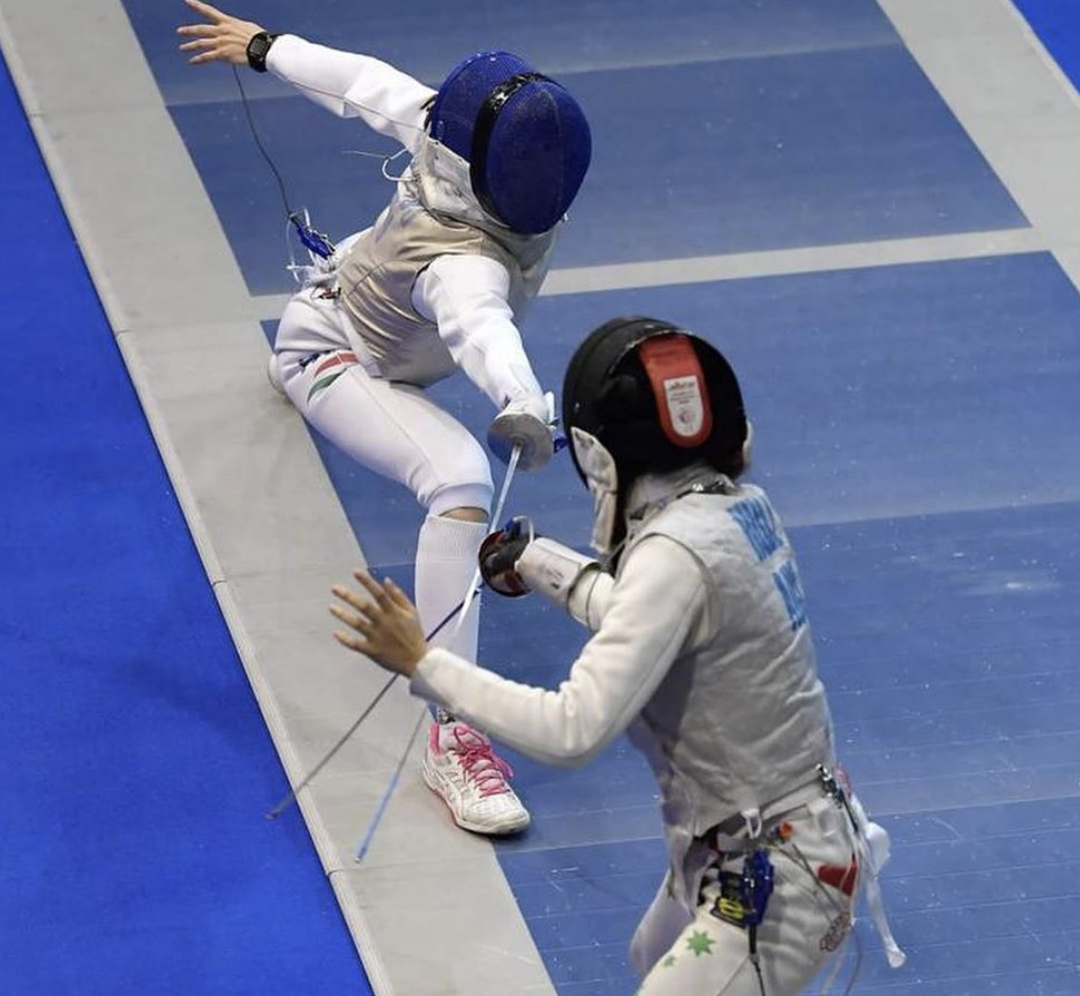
<point>668,961</point>
<point>700,943</point>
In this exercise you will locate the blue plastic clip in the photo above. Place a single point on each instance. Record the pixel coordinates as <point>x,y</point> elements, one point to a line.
<point>758,878</point>
<point>314,241</point>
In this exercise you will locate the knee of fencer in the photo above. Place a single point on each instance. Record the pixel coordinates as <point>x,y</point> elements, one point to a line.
<point>645,951</point>
<point>273,373</point>
<point>466,514</point>
<point>281,368</point>
<point>474,495</point>
<point>651,939</point>
<point>283,372</point>
<point>659,929</point>
<point>638,961</point>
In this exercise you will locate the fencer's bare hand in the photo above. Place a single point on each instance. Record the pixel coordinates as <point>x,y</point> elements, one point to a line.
<point>222,38</point>
<point>385,625</point>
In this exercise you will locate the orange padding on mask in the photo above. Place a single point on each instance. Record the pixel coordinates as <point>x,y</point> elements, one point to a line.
<point>679,388</point>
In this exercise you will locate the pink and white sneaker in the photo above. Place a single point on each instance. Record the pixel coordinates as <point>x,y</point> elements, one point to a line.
<point>461,766</point>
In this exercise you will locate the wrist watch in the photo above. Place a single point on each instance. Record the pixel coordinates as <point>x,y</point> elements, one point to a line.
<point>257,50</point>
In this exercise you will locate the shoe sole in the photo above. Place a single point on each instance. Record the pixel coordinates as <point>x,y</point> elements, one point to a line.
<point>433,782</point>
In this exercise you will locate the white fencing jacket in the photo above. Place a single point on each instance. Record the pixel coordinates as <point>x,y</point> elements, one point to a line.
<point>422,313</point>
<point>702,652</point>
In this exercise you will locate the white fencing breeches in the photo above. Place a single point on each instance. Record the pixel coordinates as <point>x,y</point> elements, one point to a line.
<point>398,432</point>
<point>393,429</point>
<point>681,952</point>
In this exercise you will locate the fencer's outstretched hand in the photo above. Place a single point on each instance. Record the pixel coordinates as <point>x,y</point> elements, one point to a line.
<point>223,38</point>
<point>384,627</point>
<point>528,423</point>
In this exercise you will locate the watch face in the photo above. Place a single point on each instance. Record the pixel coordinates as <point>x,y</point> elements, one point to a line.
<point>257,49</point>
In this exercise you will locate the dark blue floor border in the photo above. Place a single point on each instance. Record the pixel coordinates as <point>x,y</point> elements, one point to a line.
<point>1057,25</point>
<point>135,768</point>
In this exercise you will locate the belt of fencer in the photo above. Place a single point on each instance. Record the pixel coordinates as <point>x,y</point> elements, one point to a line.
<point>731,836</point>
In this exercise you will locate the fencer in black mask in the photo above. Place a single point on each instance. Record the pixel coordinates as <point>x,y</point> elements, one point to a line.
<point>701,651</point>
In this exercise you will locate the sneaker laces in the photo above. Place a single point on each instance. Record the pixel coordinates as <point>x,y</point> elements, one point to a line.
<point>480,762</point>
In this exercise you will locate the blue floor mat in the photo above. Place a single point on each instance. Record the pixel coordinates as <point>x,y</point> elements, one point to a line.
<point>773,152</point>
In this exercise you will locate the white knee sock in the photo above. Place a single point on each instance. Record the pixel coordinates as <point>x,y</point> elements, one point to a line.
<point>445,564</point>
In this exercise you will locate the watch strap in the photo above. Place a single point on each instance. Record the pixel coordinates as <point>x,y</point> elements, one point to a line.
<point>258,48</point>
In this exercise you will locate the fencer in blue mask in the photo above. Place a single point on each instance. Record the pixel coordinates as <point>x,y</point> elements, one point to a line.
<point>440,282</point>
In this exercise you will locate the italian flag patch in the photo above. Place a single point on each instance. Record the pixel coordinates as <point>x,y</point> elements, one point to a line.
<point>329,370</point>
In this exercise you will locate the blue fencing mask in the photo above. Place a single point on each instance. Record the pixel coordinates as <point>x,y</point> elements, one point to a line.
<point>525,138</point>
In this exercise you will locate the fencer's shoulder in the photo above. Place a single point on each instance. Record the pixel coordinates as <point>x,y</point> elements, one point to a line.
<point>710,520</point>
<point>747,489</point>
<point>670,523</point>
<point>660,562</point>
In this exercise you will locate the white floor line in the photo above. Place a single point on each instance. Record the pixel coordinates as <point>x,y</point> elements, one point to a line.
<point>1013,101</point>
<point>739,266</point>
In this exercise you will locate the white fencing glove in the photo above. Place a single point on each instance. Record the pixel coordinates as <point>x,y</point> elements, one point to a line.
<point>528,423</point>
